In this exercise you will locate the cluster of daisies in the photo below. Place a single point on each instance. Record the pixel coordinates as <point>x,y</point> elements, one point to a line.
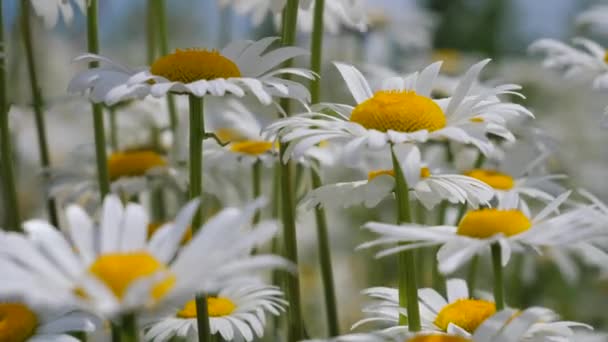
<point>183,240</point>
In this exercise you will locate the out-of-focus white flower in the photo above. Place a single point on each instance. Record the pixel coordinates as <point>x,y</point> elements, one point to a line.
<point>240,68</point>
<point>51,10</point>
<point>402,112</point>
<point>113,268</point>
<point>595,18</point>
<point>505,225</point>
<point>236,312</point>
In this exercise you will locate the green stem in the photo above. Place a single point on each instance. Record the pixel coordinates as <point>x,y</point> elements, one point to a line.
<point>113,129</point>
<point>276,243</point>
<point>408,288</point>
<point>256,175</point>
<point>129,331</point>
<point>38,102</point>
<point>8,176</point>
<point>499,284</point>
<point>100,136</point>
<point>316,50</point>
<point>151,31</point>
<point>331,306</point>
<point>472,274</point>
<point>161,14</point>
<point>202,319</point>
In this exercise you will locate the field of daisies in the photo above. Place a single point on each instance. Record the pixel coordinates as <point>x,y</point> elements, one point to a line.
<point>303,170</point>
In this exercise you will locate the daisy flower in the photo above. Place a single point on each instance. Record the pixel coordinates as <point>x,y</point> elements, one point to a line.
<point>461,315</point>
<point>236,312</point>
<point>240,68</point>
<point>425,184</point>
<point>29,322</point>
<point>401,112</point>
<point>506,226</point>
<point>113,268</point>
<point>595,18</point>
<point>51,10</point>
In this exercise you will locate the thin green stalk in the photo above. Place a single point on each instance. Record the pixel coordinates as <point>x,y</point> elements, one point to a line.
<point>316,50</point>
<point>38,102</point>
<point>295,326</point>
<point>8,177</point>
<point>202,319</point>
<point>408,285</point>
<point>100,135</point>
<point>256,175</point>
<point>113,129</point>
<point>499,284</point>
<point>472,274</point>
<point>276,243</point>
<point>438,278</point>
<point>331,306</point>
<point>161,14</point>
<point>129,331</point>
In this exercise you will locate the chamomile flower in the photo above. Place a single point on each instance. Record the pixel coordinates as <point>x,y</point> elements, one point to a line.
<point>235,312</point>
<point>461,315</point>
<point>51,10</point>
<point>402,112</point>
<point>113,268</point>
<point>240,68</point>
<point>426,186</point>
<point>505,225</point>
<point>29,322</point>
<point>594,18</point>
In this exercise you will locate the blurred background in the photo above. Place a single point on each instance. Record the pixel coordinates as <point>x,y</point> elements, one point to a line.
<point>403,35</point>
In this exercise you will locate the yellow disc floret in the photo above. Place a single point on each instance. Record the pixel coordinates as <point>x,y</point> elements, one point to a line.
<point>401,111</point>
<point>216,307</point>
<point>133,163</point>
<point>485,223</point>
<point>118,271</point>
<point>465,313</point>
<point>191,65</point>
<point>438,338</point>
<point>251,147</point>
<point>495,179</point>
<point>373,174</point>
<point>17,322</point>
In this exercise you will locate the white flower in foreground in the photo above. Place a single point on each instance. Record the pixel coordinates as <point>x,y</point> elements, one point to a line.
<point>50,10</point>
<point>425,185</point>
<point>29,322</point>
<point>402,112</point>
<point>235,312</point>
<point>113,268</point>
<point>506,225</point>
<point>461,315</point>
<point>240,68</point>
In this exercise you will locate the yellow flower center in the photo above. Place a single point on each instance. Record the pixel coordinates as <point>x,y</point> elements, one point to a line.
<point>216,307</point>
<point>118,271</point>
<point>485,223</point>
<point>227,135</point>
<point>438,338</point>
<point>133,163</point>
<point>465,313</point>
<point>17,322</point>
<point>401,111</point>
<point>477,119</point>
<point>251,147</point>
<point>424,173</point>
<point>191,65</point>
<point>154,226</point>
<point>606,57</point>
<point>493,178</point>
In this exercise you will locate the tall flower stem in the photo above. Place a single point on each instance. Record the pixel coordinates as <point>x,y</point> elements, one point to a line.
<point>113,129</point>
<point>129,331</point>
<point>408,288</point>
<point>100,135</point>
<point>8,176</point>
<point>499,284</point>
<point>163,40</point>
<point>256,191</point>
<point>295,327</point>
<point>197,131</point>
<point>37,101</point>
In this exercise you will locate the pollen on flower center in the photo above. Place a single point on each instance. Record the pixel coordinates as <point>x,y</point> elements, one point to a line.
<point>216,307</point>
<point>191,65</point>
<point>251,147</point>
<point>495,179</point>
<point>118,271</point>
<point>485,223</point>
<point>133,163</point>
<point>17,322</point>
<point>438,338</point>
<point>401,111</point>
<point>465,313</point>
